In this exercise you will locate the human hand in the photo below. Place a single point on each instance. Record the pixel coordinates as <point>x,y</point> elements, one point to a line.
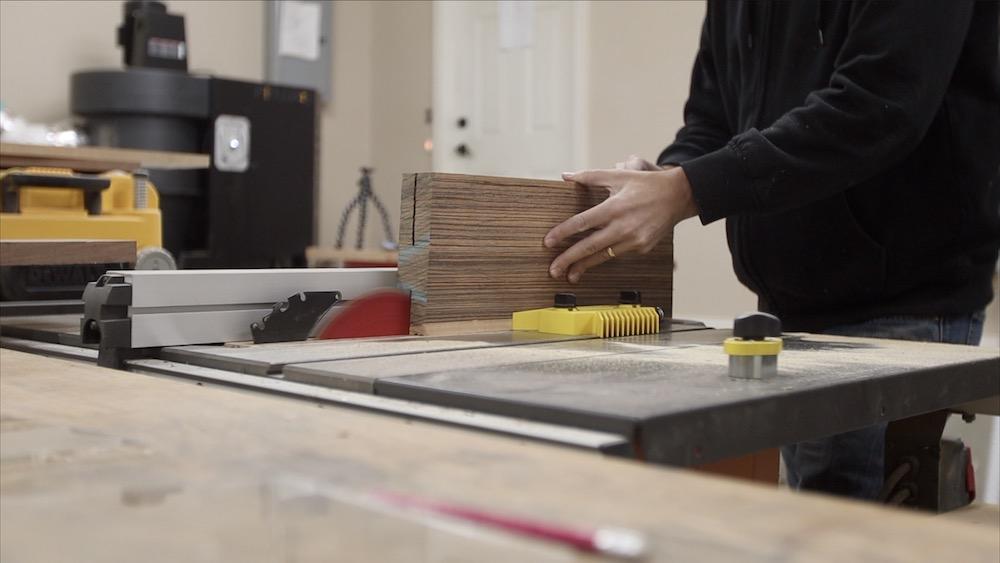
<point>634,162</point>
<point>643,208</point>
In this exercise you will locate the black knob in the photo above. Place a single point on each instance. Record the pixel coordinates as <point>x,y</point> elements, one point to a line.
<point>462,122</point>
<point>756,326</point>
<point>462,150</point>
<point>565,300</point>
<point>630,297</point>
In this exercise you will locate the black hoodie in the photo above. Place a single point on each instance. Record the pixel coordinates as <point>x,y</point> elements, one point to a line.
<point>854,149</point>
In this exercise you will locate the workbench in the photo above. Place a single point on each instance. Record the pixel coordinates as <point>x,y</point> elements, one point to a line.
<point>104,465</point>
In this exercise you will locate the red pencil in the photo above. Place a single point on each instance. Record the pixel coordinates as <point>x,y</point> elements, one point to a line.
<point>617,542</point>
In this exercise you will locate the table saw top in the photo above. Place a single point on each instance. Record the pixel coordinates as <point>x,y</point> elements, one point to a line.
<point>668,393</point>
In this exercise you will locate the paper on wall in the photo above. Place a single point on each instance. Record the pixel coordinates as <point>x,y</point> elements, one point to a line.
<point>299,29</point>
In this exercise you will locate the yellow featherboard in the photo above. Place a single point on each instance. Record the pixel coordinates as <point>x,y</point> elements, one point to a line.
<point>599,320</point>
<point>60,213</point>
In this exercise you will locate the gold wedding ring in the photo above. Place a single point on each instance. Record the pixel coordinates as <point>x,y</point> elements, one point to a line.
<point>611,252</point>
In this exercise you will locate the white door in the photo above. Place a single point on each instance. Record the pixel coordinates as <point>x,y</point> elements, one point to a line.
<point>506,86</point>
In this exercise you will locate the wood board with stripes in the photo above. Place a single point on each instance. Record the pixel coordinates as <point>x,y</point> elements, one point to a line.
<point>471,251</point>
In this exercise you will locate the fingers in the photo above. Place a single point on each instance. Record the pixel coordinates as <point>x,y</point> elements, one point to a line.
<point>596,243</point>
<point>606,178</point>
<point>577,269</point>
<point>593,218</point>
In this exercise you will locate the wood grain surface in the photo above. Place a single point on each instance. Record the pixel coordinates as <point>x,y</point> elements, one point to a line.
<point>471,249</point>
<point>102,465</point>
<point>97,159</point>
<point>65,251</point>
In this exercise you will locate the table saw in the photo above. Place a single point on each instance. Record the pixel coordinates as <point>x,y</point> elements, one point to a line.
<point>665,398</point>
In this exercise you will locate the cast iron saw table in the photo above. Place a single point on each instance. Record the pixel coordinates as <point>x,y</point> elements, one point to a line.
<point>669,395</point>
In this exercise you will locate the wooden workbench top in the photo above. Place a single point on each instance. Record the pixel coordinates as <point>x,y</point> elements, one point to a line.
<point>101,465</point>
<point>97,159</point>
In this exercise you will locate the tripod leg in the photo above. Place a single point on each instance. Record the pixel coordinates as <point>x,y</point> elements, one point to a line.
<point>363,222</point>
<point>385,218</point>
<point>344,218</point>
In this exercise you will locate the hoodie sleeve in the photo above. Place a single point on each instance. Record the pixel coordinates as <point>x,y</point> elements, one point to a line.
<point>705,127</point>
<point>888,83</point>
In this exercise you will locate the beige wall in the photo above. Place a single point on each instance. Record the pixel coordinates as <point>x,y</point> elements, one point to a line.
<point>381,89</point>
<point>401,95</point>
<point>639,69</point>
<point>43,42</point>
<point>345,123</point>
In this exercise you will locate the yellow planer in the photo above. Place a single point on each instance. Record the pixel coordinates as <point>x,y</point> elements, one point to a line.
<point>627,318</point>
<point>56,203</point>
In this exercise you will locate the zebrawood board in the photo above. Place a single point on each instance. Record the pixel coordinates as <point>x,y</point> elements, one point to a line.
<point>471,250</point>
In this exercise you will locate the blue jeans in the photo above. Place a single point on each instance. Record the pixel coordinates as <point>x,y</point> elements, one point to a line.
<point>852,464</point>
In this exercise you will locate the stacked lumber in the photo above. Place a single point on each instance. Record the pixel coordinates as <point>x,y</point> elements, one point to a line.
<point>471,252</point>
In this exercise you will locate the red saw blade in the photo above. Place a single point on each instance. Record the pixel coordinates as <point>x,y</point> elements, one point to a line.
<point>385,312</point>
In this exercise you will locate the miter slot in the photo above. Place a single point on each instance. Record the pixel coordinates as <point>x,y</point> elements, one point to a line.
<point>272,358</point>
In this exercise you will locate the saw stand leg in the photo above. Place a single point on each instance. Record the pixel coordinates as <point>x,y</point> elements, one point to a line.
<point>922,470</point>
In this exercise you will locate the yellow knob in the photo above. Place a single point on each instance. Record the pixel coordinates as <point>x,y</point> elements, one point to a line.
<point>739,347</point>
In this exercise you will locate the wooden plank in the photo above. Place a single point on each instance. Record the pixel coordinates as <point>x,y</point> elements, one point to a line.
<point>117,466</point>
<point>76,164</point>
<point>97,159</point>
<point>65,251</point>
<point>471,249</point>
